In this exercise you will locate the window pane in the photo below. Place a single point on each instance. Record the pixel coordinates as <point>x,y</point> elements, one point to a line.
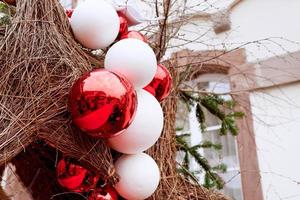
<point>228,154</point>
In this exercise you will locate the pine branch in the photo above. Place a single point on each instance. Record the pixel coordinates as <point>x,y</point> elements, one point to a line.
<point>200,116</point>
<point>215,179</point>
<point>211,103</point>
<point>208,144</point>
<point>212,179</point>
<point>187,99</point>
<point>222,168</point>
<point>224,111</point>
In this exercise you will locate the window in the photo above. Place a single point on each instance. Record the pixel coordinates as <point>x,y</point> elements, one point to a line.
<point>228,155</point>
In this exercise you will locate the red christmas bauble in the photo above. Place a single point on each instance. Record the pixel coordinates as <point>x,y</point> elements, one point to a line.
<point>74,177</point>
<point>69,12</point>
<point>123,24</point>
<point>134,35</point>
<point>161,84</point>
<point>102,103</point>
<point>106,193</point>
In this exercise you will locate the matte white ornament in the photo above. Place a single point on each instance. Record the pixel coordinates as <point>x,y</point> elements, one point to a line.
<point>95,24</point>
<point>139,176</point>
<point>145,128</point>
<point>134,59</point>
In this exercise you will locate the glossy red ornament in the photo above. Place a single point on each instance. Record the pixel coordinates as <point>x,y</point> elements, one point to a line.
<point>106,193</point>
<point>161,84</point>
<point>102,103</point>
<point>134,35</point>
<point>74,177</point>
<point>69,12</point>
<point>123,24</point>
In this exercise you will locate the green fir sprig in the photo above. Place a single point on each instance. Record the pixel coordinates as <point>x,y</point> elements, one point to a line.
<point>224,110</point>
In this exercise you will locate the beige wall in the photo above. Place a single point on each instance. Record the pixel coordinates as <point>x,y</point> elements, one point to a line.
<point>251,20</point>
<point>276,114</point>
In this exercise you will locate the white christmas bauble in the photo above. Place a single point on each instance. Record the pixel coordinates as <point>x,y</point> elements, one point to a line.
<point>95,24</point>
<point>139,176</point>
<point>145,128</point>
<point>134,59</point>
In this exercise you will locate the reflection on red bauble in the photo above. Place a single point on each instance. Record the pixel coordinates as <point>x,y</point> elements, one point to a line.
<point>69,12</point>
<point>123,24</point>
<point>74,177</point>
<point>102,103</point>
<point>161,84</point>
<point>106,193</point>
<point>134,35</point>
